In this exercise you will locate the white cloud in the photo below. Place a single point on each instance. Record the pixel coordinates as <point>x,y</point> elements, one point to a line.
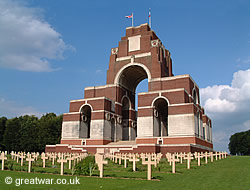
<point>11,109</point>
<point>228,107</point>
<point>27,42</point>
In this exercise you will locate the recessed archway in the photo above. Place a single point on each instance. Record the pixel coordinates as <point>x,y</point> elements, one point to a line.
<point>131,75</point>
<point>125,118</point>
<point>85,120</point>
<point>113,129</point>
<point>128,78</point>
<point>160,117</point>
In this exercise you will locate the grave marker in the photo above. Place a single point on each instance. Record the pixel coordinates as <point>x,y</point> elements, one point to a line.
<point>62,161</point>
<point>149,163</point>
<point>173,160</point>
<point>134,160</point>
<point>30,160</point>
<point>189,157</point>
<point>100,161</point>
<point>44,158</point>
<point>3,158</point>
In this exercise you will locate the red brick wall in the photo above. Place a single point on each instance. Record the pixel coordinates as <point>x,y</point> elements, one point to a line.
<point>97,142</point>
<point>72,142</point>
<point>71,117</point>
<point>75,106</point>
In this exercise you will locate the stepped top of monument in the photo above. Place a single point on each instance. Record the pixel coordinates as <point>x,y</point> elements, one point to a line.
<point>142,29</point>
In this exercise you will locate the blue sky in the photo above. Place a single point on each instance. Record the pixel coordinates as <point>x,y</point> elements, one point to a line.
<point>51,50</point>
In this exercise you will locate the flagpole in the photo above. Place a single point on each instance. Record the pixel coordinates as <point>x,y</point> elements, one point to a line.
<point>132,19</point>
<point>149,17</point>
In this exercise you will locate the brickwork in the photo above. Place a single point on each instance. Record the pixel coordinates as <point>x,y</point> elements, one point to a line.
<point>140,55</point>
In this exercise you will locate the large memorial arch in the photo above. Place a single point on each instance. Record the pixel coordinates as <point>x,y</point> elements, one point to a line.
<point>169,116</point>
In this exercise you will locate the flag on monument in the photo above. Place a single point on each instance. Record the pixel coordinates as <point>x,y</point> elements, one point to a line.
<point>130,16</point>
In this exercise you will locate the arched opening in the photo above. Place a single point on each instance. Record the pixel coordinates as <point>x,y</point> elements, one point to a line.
<point>125,118</point>
<point>195,97</point>
<point>132,76</point>
<point>113,131</point>
<point>198,123</point>
<point>160,117</point>
<point>128,78</point>
<point>85,121</point>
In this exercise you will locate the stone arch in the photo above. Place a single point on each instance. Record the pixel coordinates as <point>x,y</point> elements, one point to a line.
<point>85,121</point>
<point>130,75</point>
<point>125,117</point>
<point>158,98</point>
<point>113,129</point>
<point>160,109</point>
<point>195,96</point>
<point>125,96</point>
<point>86,104</point>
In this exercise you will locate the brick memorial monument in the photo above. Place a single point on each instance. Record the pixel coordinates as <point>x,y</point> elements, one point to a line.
<point>169,117</point>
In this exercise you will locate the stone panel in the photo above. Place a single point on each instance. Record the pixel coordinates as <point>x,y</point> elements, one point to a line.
<point>70,129</point>
<point>97,129</point>
<point>145,127</point>
<point>181,125</point>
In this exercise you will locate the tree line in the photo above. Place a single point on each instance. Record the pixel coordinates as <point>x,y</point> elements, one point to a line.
<point>29,133</point>
<point>240,143</point>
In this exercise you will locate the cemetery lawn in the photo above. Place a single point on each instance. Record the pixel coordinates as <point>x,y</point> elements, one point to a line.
<point>229,173</point>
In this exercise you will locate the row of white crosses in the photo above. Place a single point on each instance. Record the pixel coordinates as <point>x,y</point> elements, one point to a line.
<point>147,159</point>
<point>172,158</point>
<point>60,157</point>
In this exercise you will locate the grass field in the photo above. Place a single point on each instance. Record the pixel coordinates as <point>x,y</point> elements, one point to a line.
<point>229,173</point>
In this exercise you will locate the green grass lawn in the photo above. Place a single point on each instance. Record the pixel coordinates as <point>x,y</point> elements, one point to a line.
<point>229,173</point>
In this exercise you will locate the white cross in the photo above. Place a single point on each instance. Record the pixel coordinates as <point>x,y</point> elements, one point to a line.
<point>44,158</point>
<point>3,158</point>
<point>62,161</point>
<point>149,163</point>
<point>173,160</point>
<point>22,157</point>
<point>70,159</point>
<point>125,158</point>
<point>100,161</point>
<point>199,156</point>
<point>189,157</point>
<point>29,159</point>
<point>134,160</point>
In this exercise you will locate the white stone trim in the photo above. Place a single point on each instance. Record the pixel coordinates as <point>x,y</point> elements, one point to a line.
<point>162,91</point>
<point>79,100</point>
<point>71,113</point>
<point>50,145</point>
<point>178,115</point>
<point>97,98</point>
<point>117,77</point>
<point>136,26</point>
<point>174,77</point>
<point>100,87</point>
<point>86,104</point>
<point>118,103</point>
<point>182,104</point>
<point>163,97</point>
<point>126,96</point>
<point>135,56</point>
<point>145,107</point>
<point>174,144</point>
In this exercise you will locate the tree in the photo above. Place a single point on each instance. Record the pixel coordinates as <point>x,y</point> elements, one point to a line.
<point>49,130</point>
<point>240,143</point>
<point>28,133</point>
<point>2,129</point>
<point>11,135</point>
